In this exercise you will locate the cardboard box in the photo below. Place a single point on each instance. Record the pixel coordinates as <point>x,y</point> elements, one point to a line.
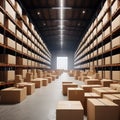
<point>1,18</point>
<point>69,110</point>
<point>19,34</point>
<point>7,75</point>
<point>44,81</point>
<point>10,43</point>
<point>25,17</point>
<point>65,86</point>
<point>102,109</point>
<point>106,82</point>
<point>11,26</point>
<point>92,82</point>
<point>13,95</point>
<point>102,91</point>
<point>30,87</point>
<point>107,47</point>
<point>76,94</point>
<point>19,47</point>
<point>107,60</point>
<point>88,88</point>
<point>24,61</point>
<point>1,39</point>
<point>13,2</point>
<point>87,96</point>
<point>38,83</point>
<point>114,7</point>
<point>105,19</point>
<point>25,39</point>
<point>116,59</point>
<point>116,42</point>
<point>116,75</point>
<point>107,74</point>
<point>24,27</point>
<point>7,59</point>
<point>24,72</point>
<point>25,50</point>
<point>116,23</point>
<point>10,10</point>
<point>18,7</point>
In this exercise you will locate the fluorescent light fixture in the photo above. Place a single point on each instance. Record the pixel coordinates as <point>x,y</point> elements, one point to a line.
<point>65,8</point>
<point>61,20</point>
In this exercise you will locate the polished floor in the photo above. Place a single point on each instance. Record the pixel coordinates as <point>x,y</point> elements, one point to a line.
<point>39,106</point>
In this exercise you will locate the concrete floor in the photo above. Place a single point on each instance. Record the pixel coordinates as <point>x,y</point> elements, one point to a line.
<point>39,106</point>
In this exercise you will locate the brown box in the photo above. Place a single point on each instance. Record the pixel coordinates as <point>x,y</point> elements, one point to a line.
<point>1,18</point>
<point>49,79</point>
<point>104,90</point>
<point>1,39</point>
<point>116,75</point>
<point>88,95</point>
<point>106,82</point>
<point>88,88</point>
<point>19,47</point>
<point>44,81</point>
<point>116,23</point>
<point>19,34</point>
<point>10,43</point>
<point>76,94</point>
<point>114,7</point>
<point>7,59</point>
<point>116,42</point>
<point>65,86</point>
<point>10,10</point>
<point>13,95</point>
<point>102,109</point>
<point>116,59</point>
<point>38,83</point>
<point>30,87</point>
<point>92,82</point>
<point>69,110</point>
<point>18,7</point>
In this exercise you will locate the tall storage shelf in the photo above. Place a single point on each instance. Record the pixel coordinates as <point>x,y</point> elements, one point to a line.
<point>21,47</point>
<point>100,47</point>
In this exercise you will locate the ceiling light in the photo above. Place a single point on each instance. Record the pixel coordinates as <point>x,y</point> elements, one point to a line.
<point>78,24</point>
<point>66,8</point>
<point>38,13</point>
<point>44,24</point>
<point>83,11</point>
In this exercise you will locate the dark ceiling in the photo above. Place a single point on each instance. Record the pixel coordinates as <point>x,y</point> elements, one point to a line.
<point>45,15</point>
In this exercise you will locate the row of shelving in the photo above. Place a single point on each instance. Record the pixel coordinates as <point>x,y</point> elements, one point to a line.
<point>21,47</point>
<point>22,35</point>
<point>100,47</point>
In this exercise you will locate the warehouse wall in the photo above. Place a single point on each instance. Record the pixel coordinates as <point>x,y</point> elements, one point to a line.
<point>61,53</point>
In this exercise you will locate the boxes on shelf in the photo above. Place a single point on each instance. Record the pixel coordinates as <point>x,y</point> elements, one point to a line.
<point>116,42</point>
<point>19,47</point>
<point>24,61</point>
<point>29,42</point>
<point>99,27</point>
<point>13,2</point>
<point>116,59</point>
<point>19,60</point>
<point>31,26</point>
<point>100,38</point>
<point>1,18</point>
<point>24,39</point>
<point>1,39</point>
<point>107,32</point>
<point>107,74</point>
<point>116,75</point>
<point>114,7</point>
<point>107,47</point>
<point>26,19</point>
<point>10,25</point>
<point>18,7</point>
<point>107,60</point>
<point>25,50</point>
<point>116,23</point>
<point>10,42</point>
<point>29,62</point>
<point>105,18</point>
<point>7,59</point>
<point>29,33</point>
<point>7,75</point>
<point>10,10</point>
<point>24,71</point>
<point>19,34</point>
<point>100,62</point>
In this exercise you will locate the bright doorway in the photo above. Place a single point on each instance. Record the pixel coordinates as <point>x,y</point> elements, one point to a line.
<point>62,63</point>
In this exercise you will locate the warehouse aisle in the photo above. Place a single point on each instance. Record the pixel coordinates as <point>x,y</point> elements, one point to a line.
<point>39,106</point>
